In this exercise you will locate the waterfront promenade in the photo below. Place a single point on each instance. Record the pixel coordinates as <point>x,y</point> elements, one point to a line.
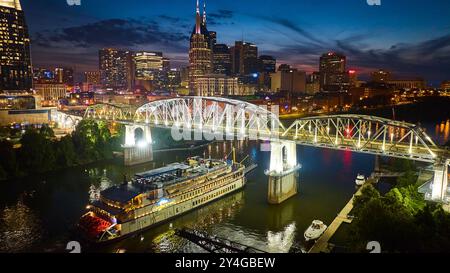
<point>321,244</point>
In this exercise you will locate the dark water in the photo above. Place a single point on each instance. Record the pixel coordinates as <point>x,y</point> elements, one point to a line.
<point>38,213</point>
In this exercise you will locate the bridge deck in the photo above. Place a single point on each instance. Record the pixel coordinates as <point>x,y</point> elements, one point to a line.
<point>321,244</point>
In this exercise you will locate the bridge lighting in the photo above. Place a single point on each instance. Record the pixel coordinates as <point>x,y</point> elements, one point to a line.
<point>392,137</point>
<point>328,129</point>
<point>369,133</point>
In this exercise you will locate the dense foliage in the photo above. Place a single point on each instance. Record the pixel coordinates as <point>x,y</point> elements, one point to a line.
<point>41,152</point>
<point>401,220</point>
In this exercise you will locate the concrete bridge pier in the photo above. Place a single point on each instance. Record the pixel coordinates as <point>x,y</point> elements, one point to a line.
<point>283,171</point>
<point>138,145</point>
<point>440,181</point>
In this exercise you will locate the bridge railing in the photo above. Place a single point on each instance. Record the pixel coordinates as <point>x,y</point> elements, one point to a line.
<point>364,134</point>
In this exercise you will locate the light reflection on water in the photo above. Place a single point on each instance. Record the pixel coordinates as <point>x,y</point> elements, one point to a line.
<point>20,227</point>
<point>442,132</point>
<point>326,182</point>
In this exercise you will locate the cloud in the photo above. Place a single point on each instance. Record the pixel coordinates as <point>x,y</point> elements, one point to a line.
<point>222,14</point>
<point>111,32</point>
<point>429,58</point>
<point>221,17</point>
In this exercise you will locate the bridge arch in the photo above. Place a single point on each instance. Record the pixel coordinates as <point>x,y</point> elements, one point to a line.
<point>366,134</point>
<point>110,111</point>
<point>228,115</point>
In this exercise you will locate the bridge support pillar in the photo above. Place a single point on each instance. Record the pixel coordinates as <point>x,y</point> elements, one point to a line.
<point>440,182</point>
<point>138,145</point>
<point>283,171</point>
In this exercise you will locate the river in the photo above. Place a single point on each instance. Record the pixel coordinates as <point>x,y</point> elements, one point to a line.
<point>38,213</point>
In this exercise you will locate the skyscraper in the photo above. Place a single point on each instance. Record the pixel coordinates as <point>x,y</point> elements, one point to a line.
<point>64,75</point>
<point>222,59</point>
<point>244,58</point>
<point>147,64</point>
<point>200,52</point>
<point>333,75</point>
<point>15,61</point>
<point>116,68</point>
<point>381,76</point>
<point>268,64</point>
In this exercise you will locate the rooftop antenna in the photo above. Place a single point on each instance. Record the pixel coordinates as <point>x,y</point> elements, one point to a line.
<point>204,12</point>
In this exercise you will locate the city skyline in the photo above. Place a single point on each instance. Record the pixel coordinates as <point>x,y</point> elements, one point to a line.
<point>372,37</point>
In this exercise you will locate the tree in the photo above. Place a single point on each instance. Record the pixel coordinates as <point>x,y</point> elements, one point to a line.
<point>3,174</point>
<point>409,178</point>
<point>46,131</point>
<point>85,138</point>
<point>367,193</point>
<point>389,224</point>
<point>65,153</point>
<point>37,153</point>
<point>8,160</point>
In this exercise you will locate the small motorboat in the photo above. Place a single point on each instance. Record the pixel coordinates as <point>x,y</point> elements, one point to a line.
<point>360,180</point>
<point>315,230</point>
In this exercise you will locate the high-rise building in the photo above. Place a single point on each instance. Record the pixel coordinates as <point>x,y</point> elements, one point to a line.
<point>245,58</point>
<point>333,75</point>
<point>445,86</point>
<point>116,68</point>
<point>92,77</point>
<point>147,64</point>
<point>43,75</point>
<point>51,93</point>
<point>267,64</point>
<point>381,76</point>
<point>15,61</point>
<point>64,75</point>
<point>313,83</point>
<point>217,85</point>
<point>291,81</point>
<point>200,52</point>
<point>222,59</point>
<point>353,78</point>
<point>213,38</point>
<point>174,78</point>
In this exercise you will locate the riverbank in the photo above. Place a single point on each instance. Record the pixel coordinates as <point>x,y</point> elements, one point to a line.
<point>322,245</point>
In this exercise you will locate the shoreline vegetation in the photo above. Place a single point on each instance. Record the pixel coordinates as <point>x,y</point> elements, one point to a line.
<point>40,152</point>
<point>401,220</point>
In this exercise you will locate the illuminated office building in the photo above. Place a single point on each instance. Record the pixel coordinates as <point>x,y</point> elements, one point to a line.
<point>147,64</point>
<point>200,51</point>
<point>333,75</point>
<point>245,58</point>
<point>15,60</point>
<point>116,69</point>
<point>222,59</point>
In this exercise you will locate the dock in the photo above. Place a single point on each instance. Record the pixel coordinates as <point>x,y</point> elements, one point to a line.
<point>322,245</point>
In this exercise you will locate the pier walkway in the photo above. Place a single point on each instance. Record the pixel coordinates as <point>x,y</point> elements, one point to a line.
<point>321,244</point>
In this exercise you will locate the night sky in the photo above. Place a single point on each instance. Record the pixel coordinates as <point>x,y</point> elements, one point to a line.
<point>409,37</point>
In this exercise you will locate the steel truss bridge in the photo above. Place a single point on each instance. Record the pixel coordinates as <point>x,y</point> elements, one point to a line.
<point>221,116</point>
<point>227,119</point>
